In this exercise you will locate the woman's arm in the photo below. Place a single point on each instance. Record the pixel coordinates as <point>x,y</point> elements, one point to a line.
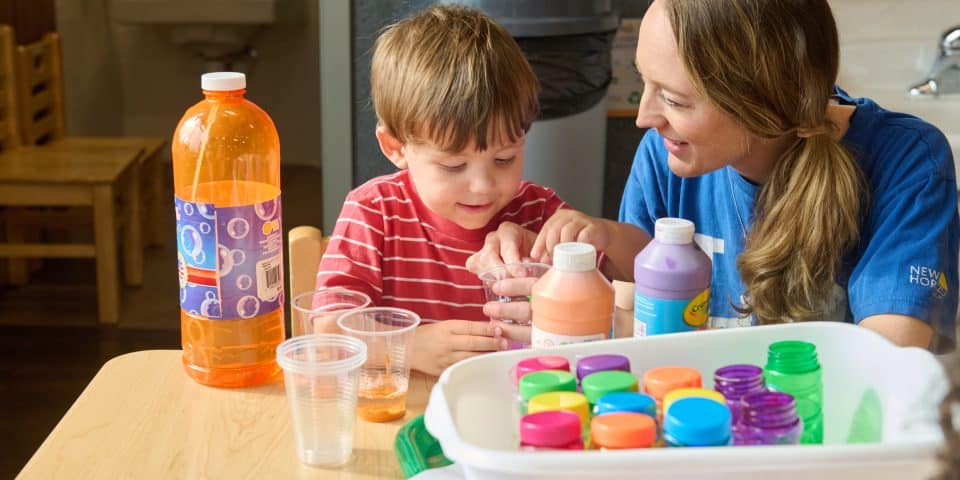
<point>902,330</point>
<point>626,241</point>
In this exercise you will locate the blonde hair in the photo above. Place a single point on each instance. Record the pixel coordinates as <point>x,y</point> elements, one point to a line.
<point>771,65</point>
<point>450,75</point>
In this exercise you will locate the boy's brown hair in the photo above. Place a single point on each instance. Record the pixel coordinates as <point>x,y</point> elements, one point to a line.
<point>450,75</point>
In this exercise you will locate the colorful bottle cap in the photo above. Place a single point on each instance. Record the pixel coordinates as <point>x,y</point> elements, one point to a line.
<point>792,357</point>
<point>552,428</point>
<point>623,430</point>
<point>536,364</point>
<point>599,384</point>
<point>533,384</point>
<point>697,422</point>
<point>601,363</point>
<point>626,402</point>
<point>659,381</point>
<point>687,392</point>
<point>574,257</point>
<point>569,401</point>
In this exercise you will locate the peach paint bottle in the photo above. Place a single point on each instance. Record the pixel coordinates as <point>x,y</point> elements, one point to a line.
<point>572,302</point>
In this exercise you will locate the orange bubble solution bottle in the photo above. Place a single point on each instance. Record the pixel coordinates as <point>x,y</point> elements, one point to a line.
<point>226,176</point>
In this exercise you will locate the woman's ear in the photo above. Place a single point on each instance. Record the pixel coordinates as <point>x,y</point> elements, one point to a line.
<point>391,147</point>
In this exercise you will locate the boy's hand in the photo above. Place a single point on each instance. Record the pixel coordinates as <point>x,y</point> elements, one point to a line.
<point>569,226</point>
<point>436,346</point>
<point>510,243</point>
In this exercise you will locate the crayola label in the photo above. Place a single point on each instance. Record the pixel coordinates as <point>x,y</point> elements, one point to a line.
<point>654,316</point>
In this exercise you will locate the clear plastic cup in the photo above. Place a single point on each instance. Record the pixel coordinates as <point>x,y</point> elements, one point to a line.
<point>321,374</point>
<point>318,311</point>
<point>388,333</point>
<point>496,273</point>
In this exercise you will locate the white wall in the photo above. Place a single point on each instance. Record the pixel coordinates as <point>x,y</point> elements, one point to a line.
<point>126,79</point>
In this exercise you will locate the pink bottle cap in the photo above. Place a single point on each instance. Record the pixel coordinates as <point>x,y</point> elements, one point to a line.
<point>535,364</point>
<point>552,428</point>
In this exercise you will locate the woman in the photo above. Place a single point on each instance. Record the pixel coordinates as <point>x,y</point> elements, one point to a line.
<point>812,205</point>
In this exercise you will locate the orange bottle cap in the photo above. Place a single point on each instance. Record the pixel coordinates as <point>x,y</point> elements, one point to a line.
<point>623,430</point>
<point>659,381</point>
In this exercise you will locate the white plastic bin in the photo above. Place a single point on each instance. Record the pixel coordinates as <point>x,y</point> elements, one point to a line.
<point>873,391</point>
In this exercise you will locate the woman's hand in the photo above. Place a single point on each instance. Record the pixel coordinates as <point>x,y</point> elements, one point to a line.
<point>510,243</point>
<point>436,346</point>
<point>569,226</point>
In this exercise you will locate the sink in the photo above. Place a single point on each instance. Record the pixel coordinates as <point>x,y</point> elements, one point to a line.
<point>884,70</point>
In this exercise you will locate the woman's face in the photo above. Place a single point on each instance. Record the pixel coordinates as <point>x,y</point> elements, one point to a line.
<point>699,136</point>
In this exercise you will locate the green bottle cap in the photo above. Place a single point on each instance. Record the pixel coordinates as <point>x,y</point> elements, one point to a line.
<point>535,383</point>
<point>599,384</point>
<point>792,357</point>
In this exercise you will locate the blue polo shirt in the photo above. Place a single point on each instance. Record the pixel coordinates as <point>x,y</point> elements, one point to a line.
<point>906,260</point>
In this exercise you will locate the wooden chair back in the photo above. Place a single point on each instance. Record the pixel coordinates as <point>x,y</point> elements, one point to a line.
<point>9,113</point>
<point>40,90</point>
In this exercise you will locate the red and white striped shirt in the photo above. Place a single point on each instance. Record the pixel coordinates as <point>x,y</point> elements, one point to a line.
<point>389,245</point>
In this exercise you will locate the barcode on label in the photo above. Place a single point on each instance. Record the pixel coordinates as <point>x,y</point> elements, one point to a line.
<point>270,278</point>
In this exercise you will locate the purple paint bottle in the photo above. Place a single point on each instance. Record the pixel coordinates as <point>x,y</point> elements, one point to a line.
<point>672,279</point>
<point>769,418</point>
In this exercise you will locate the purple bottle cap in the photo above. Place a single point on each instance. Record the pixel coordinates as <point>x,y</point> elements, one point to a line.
<point>601,363</point>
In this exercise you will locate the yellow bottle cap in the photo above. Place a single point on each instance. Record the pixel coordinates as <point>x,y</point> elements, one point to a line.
<point>569,401</point>
<point>679,393</point>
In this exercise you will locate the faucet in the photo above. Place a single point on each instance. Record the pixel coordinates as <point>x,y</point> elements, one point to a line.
<point>944,77</point>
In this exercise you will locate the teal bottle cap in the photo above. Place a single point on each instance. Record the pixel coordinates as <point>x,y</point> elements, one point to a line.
<point>599,384</point>
<point>698,422</point>
<point>626,402</point>
<point>535,383</point>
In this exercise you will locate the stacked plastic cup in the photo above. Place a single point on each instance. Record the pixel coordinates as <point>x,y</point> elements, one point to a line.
<point>321,375</point>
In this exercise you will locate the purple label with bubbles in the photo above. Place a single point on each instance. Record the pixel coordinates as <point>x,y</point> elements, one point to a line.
<point>230,259</point>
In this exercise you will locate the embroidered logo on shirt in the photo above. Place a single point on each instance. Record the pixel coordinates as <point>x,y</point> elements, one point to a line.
<point>930,278</point>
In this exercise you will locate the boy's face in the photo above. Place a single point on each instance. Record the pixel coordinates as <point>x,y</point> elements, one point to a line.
<point>468,187</point>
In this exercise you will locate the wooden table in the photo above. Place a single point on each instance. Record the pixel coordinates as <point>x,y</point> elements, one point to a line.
<point>142,417</point>
<point>42,176</point>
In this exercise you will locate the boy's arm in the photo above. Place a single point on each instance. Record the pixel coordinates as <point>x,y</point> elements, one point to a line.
<point>353,258</point>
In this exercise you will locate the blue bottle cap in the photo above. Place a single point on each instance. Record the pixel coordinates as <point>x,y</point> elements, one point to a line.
<point>626,402</point>
<point>697,422</point>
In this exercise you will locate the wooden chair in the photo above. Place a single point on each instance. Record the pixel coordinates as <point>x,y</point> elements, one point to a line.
<point>306,246</point>
<point>41,100</point>
<point>48,180</point>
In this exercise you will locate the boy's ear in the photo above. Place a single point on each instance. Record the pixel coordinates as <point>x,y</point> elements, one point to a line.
<point>391,147</point>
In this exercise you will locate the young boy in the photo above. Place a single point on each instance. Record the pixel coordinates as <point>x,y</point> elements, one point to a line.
<point>454,98</point>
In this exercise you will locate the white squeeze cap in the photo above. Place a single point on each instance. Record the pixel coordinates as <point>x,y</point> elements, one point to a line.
<point>673,231</point>
<point>574,257</point>
<point>223,81</point>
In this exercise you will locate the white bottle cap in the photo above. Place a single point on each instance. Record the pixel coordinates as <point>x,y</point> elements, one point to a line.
<point>223,81</point>
<point>673,231</point>
<point>574,257</point>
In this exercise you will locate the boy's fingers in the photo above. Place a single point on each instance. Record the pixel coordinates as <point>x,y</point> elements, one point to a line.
<point>518,312</point>
<point>467,327</point>
<point>514,287</point>
<point>476,343</point>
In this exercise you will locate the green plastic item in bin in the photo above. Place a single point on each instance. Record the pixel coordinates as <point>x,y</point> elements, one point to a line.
<point>417,450</point>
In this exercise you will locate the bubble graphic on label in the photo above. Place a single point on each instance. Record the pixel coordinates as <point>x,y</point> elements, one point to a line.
<point>248,306</point>
<point>200,257</point>
<point>244,282</point>
<point>204,228</point>
<point>191,242</point>
<point>239,256</point>
<point>188,209</point>
<point>210,306</point>
<point>238,228</point>
<point>266,210</point>
<point>177,210</point>
<point>206,210</point>
<point>226,261</point>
